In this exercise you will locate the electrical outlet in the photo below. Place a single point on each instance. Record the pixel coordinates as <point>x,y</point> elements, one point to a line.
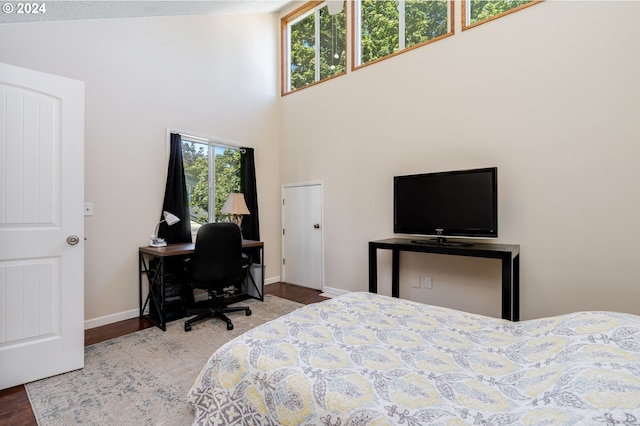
<point>88,209</point>
<point>426,282</point>
<point>415,282</point>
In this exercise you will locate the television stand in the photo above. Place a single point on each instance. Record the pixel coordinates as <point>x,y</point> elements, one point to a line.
<point>509,254</point>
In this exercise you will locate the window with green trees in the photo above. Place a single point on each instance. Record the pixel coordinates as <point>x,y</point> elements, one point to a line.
<point>313,45</point>
<point>476,12</point>
<point>386,27</point>
<point>211,173</point>
<point>313,40</point>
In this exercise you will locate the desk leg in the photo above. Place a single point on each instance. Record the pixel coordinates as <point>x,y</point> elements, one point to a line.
<point>251,281</point>
<point>249,284</point>
<point>262,274</point>
<point>373,269</point>
<point>140,272</point>
<point>395,273</point>
<point>161,314</point>
<point>155,279</point>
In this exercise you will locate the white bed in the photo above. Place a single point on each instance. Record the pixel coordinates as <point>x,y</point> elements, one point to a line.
<point>367,359</point>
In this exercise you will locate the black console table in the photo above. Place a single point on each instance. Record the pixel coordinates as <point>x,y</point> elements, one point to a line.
<point>509,254</point>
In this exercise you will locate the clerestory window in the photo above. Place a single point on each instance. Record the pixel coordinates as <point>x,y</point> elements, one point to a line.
<point>313,36</point>
<point>383,28</point>
<point>313,45</point>
<point>476,12</point>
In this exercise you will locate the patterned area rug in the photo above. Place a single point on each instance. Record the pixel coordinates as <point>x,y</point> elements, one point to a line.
<point>143,378</point>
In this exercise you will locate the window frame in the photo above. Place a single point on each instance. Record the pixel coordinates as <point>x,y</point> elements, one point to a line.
<point>285,37</point>
<point>212,145</point>
<point>466,11</point>
<point>354,33</point>
<point>356,39</point>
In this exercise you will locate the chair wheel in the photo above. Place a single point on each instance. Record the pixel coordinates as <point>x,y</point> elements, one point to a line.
<point>187,327</point>
<point>248,312</point>
<point>229,326</point>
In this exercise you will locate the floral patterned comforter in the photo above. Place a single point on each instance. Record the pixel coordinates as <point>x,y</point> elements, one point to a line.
<point>367,359</point>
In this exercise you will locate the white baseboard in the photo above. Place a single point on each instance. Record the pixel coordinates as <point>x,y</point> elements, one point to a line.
<point>110,319</point>
<point>271,280</point>
<point>334,291</point>
<point>134,313</point>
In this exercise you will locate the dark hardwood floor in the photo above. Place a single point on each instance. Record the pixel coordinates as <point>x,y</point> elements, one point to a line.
<point>15,408</point>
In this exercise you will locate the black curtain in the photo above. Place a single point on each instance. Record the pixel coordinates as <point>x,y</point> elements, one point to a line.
<point>250,223</point>
<point>175,197</point>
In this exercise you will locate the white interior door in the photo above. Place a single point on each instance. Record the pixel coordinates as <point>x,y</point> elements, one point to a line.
<point>41,225</point>
<point>302,235</point>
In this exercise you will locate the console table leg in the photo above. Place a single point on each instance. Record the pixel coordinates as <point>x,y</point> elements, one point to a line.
<point>373,269</point>
<point>395,273</point>
<point>516,289</point>
<point>507,294</point>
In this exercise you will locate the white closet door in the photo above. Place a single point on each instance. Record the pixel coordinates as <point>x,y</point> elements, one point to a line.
<point>302,235</point>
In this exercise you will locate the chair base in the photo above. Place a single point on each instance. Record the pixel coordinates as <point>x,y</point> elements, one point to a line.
<point>215,313</point>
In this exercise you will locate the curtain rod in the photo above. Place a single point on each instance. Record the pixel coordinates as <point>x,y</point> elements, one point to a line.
<point>213,142</point>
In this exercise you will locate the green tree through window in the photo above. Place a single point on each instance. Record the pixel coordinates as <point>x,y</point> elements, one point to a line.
<point>316,47</point>
<point>378,29</point>
<point>303,56</point>
<point>425,20</point>
<point>389,26</point>
<point>313,42</point>
<point>202,185</point>
<point>478,11</point>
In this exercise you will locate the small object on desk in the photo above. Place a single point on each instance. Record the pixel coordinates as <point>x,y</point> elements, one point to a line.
<point>157,242</point>
<point>171,219</point>
<point>236,207</point>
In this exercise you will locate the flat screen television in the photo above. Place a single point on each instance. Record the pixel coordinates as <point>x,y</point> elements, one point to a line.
<point>460,203</point>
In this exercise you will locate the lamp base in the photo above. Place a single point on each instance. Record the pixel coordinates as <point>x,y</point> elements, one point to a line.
<point>157,242</point>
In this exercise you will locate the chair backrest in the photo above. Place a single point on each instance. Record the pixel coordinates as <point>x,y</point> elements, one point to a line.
<point>217,258</point>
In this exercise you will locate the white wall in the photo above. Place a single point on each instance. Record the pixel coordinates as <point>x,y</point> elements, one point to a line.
<point>215,76</point>
<point>549,95</point>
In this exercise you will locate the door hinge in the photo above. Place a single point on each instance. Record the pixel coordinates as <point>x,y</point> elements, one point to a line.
<point>283,260</point>
<point>282,231</point>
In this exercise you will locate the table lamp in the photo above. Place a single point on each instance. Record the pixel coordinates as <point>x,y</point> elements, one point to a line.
<point>236,207</point>
<point>170,219</point>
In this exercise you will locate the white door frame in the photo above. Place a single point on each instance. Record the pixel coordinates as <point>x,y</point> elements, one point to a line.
<point>282,218</point>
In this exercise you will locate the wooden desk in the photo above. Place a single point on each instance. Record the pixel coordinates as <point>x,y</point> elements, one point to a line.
<point>508,254</point>
<point>156,276</point>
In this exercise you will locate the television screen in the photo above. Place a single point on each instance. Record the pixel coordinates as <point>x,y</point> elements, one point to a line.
<point>461,203</point>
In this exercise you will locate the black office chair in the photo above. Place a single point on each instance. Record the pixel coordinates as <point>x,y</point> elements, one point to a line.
<point>216,265</point>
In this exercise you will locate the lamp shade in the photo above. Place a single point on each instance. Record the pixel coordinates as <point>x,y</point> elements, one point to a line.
<point>235,204</point>
<point>170,218</point>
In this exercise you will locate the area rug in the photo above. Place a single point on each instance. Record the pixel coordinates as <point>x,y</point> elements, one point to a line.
<point>143,378</point>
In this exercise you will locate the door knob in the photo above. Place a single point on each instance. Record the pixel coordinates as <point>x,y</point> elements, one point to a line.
<point>316,226</point>
<point>72,240</point>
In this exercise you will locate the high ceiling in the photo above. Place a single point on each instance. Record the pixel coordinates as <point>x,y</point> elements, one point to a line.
<point>58,10</point>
